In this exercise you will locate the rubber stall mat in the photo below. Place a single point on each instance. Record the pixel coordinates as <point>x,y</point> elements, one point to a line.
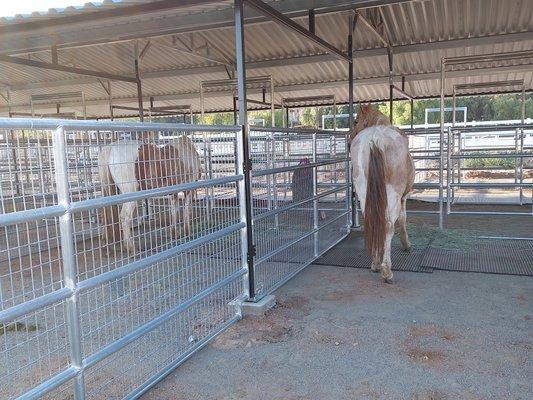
<point>490,256</point>
<point>351,253</point>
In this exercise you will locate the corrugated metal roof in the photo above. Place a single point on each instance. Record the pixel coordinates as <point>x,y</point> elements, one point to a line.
<point>445,28</point>
<point>90,7</point>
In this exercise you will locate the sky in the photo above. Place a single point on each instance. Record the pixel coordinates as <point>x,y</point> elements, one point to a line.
<point>10,8</point>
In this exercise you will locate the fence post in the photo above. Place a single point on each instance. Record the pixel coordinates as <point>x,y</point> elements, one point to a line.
<point>244,145</point>
<point>518,161</point>
<point>348,181</point>
<point>441,140</point>
<point>522,136</point>
<point>315,201</point>
<point>449,175</point>
<point>69,259</point>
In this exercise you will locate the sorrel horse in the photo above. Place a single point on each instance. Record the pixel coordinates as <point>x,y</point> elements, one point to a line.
<point>383,175</point>
<point>131,166</point>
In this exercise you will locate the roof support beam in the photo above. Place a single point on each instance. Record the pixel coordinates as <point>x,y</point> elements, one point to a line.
<point>281,19</point>
<point>292,61</point>
<point>381,80</point>
<point>373,29</point>
<point>402,92</point>
<point>64,68</point>
<point>68,35</point>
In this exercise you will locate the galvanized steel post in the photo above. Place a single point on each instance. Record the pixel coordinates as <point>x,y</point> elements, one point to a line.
<point>449,176</point>
<point>68,256</point>
<point>315,201</point>
<point>245,142</point>
<point>441,142</point>
<point>351,192</point>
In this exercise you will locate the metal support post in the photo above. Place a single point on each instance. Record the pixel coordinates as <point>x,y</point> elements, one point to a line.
<point>245,144</point>
<point>311,21</point>
<point>412,114</point>
<point>315,201</point>
<point>272,105</point>
<point>139,91</point>
<point>391,85</point>
<point>235,116</point>
<point>441,142</point>
<point>110,93</point>
<point>449,176</point>
<point>68,252</point>
<point>352,196</point>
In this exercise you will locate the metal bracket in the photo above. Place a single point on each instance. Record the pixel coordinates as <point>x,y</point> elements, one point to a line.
<point>247,166</point>
<point>252,252</point>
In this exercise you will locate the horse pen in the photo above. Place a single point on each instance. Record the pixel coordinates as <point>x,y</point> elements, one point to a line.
<point>196,259</point>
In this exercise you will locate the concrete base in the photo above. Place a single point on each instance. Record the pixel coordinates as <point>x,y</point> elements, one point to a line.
<point>258,308</point>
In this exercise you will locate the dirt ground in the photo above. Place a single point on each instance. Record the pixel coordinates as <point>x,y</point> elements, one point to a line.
<point>339,333</point>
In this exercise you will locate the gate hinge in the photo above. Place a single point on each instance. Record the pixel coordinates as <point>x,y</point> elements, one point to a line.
<point>247,166</point>
<point>251,252</point>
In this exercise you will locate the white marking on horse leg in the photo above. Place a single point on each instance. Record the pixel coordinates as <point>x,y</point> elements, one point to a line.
<point>393,212</point>
<point>175,229</point>
<point>187,210</point>
<point>402,220</point>
<point>126,222</point>
<point>386,272</point>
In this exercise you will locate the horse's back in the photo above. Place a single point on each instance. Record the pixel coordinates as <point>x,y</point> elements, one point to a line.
<point>399,167</point>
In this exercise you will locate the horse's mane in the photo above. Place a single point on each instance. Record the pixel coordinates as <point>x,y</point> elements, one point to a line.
<point>373,116</point>
<point>369,115</point>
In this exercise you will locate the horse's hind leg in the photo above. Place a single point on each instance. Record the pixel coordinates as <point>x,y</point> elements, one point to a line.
<point>386,265</point>
<point>126,222</point>
<point>187,210</point>
<point>376,263</point>
<point>402,221</point>
<point>393,214</point>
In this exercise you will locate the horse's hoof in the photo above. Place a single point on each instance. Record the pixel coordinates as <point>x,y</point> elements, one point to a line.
<point>407,249</point>
<point>388,280</point>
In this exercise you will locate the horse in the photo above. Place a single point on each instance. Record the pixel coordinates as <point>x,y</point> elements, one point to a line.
<point>130,166</point>
<point>383,174</point>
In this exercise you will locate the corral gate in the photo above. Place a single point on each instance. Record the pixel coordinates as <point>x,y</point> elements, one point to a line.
<point>82,316</point>
<point>301,200</point>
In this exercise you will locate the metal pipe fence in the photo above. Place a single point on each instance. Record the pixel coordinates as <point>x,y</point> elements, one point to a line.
<point>82,313</point>
<point>95,304</point>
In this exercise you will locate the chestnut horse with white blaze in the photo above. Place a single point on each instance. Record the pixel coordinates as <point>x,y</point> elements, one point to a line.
<point>130,166</point>
<point>383,175</point>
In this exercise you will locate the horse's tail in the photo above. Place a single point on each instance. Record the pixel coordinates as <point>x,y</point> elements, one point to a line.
<point>109,188</point>
<point>375,203</point>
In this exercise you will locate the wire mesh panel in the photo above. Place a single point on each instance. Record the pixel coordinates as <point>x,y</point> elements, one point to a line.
<point>300,200</point>
<point>121,252</point>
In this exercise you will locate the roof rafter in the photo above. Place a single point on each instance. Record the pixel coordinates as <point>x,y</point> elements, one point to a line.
<point>69,35</point>
<point>381,80</point>
<point>64,68</point>
<point>293,61</point>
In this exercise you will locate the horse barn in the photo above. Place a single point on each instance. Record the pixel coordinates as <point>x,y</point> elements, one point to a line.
<point>149,251</point>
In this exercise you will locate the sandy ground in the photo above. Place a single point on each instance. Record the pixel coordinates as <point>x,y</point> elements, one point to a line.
<point>339,333</point>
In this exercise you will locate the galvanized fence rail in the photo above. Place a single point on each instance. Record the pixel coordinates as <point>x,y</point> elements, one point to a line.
<point>83,315</point>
